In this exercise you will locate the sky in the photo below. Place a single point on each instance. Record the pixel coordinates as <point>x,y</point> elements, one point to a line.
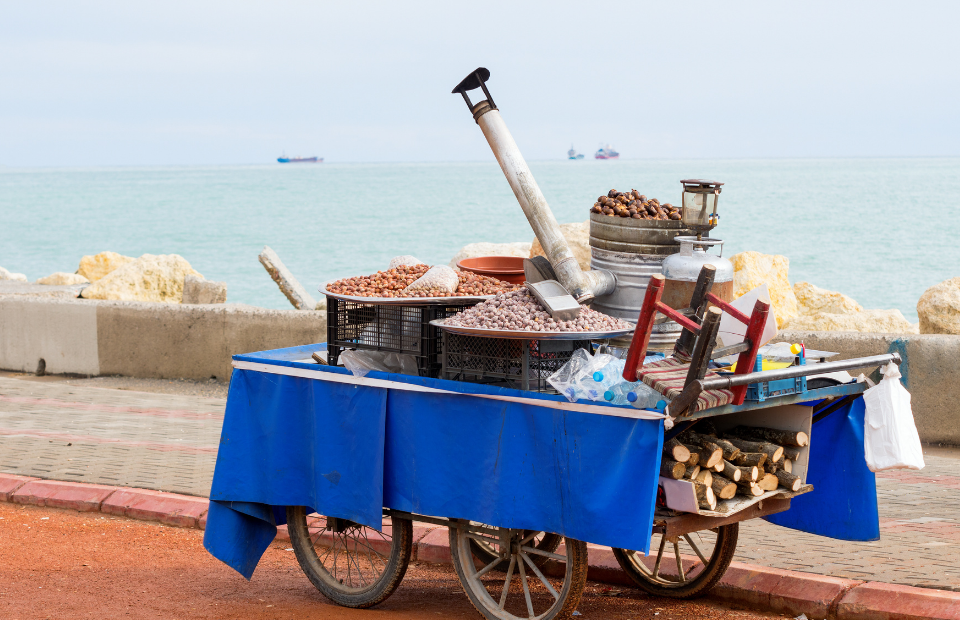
<point>170,83</point>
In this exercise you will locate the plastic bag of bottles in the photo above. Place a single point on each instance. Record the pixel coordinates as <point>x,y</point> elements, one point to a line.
<point>587,376</point>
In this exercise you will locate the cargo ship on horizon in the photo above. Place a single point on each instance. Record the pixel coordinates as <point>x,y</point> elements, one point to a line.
<point>606,152</point>
<point>283,159</point>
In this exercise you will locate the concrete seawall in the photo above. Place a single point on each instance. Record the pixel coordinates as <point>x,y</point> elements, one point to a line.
<point>930,371</point>
<point>169,341</point>
<point>139,339</point>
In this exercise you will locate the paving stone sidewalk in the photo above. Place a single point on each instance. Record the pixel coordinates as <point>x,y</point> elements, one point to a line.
<point>169,443</point>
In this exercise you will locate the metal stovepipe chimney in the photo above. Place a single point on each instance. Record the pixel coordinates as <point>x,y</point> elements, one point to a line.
<point>584,286</point>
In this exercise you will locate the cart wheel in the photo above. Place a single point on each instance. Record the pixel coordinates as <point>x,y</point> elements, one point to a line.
<point>351,564</point>
<point>687,571</point>
<point>553,592</point>
<point>485,553</point>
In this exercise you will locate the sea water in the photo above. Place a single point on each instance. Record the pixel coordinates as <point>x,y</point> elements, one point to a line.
<point>879,230</point>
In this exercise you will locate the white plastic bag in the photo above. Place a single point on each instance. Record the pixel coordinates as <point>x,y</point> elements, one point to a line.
<point>890,439</point>
<point>439,281</point>
<point>362,362</point>
<point>406,259</point>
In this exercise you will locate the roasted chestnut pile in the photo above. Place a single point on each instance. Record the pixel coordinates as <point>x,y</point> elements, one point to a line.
<point>520,311</point>
<point>390,283</point>
<point>636,205</point>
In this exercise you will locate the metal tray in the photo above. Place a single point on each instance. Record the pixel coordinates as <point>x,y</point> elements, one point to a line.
<point>525,335</point>
<point>405,301</point>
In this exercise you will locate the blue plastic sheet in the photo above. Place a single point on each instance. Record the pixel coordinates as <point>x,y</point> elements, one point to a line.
<point>843,504</point>
<point>347,450</point>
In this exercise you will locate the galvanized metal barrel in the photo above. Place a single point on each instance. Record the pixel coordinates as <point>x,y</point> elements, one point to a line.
<point>633,250</point>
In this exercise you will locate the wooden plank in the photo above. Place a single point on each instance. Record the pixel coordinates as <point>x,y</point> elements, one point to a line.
<point>684,524</point>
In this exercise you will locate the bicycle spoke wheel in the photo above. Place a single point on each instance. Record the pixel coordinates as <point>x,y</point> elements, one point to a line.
<point>527,589</point>
<point>351,564</point>
<point>684,566</point>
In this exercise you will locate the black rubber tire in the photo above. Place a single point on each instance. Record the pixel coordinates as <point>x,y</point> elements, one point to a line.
<point>358,598</point>
<point>702,583</point>
<point>549,542</point>
<point>575,578</point>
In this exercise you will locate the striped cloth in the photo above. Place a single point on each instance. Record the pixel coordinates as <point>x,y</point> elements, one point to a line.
<point>667,377</point>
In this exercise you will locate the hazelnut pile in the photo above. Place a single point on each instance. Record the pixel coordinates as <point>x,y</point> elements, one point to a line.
<point>520,311</point>
<point>391,283</point>
<point>636,205</point>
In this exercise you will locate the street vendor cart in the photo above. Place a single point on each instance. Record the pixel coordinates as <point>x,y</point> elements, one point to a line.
<point>475,440</point>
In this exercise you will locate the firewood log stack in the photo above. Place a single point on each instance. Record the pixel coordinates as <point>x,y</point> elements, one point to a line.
<point>744,461</point>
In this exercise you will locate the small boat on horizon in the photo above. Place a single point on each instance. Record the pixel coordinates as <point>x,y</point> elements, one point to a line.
<point>283,159</point>
<point>606,152</point>
<point>573,154</point>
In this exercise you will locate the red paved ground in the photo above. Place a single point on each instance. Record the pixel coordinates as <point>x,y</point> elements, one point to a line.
<point>64,564</point>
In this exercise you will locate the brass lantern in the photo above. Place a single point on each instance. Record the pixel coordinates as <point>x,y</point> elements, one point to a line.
<point>700,204</point>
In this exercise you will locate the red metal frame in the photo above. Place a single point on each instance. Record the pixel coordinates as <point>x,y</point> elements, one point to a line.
<point>648,313</point>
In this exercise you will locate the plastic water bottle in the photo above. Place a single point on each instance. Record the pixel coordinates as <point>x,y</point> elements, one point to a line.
<point>622,393</point>
<point>648,398</point>
<point>601,380</point>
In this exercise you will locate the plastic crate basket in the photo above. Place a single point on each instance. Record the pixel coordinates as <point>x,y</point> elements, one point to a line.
<point>519,364</point>
<point>780,387</point>
<point>389,328</point>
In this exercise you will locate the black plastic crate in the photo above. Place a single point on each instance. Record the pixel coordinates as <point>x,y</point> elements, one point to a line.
<point>390,328</point>
<point>519,364</point>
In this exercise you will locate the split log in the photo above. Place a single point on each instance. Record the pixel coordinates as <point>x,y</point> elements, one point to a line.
<point>771,435</point>
<point>730,451</point>
<point>706,498</point>
<point>731,471</point>
<point>710,454</point>
<point>705,477</point>
<point>748,473</point>
<point>774,453</point>
<point>750,489</point>
<point>788,480</point>
<point>750,459</point>
<point>693,460</point>
<point>791,453</point>
<point>677,451</point>
<point>788,466</point>
<point>723,488</point>
<point>692,472</point>
<point>768,482</point>
<point>672,469</point>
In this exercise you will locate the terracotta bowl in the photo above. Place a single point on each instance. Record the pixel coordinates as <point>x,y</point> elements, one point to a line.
<point>506,268</point>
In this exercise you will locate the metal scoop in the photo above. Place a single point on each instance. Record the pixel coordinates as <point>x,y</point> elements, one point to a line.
<point>558,302</point>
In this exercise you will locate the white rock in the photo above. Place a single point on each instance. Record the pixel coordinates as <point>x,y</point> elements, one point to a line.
<point>815,300</point>
<point>577,235</point>
<point>95,266</point>
<point>939,308</point>
<point>473,250</point>
<point>148,278</point>
<point>876,321</point>
<point>199,291</point>
<point>62,278</point>
<point>751,269</point>
<point>7,275</point>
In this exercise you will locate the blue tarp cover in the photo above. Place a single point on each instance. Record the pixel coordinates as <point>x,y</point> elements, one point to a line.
<point>348,450</point>
<point>844,501</point>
